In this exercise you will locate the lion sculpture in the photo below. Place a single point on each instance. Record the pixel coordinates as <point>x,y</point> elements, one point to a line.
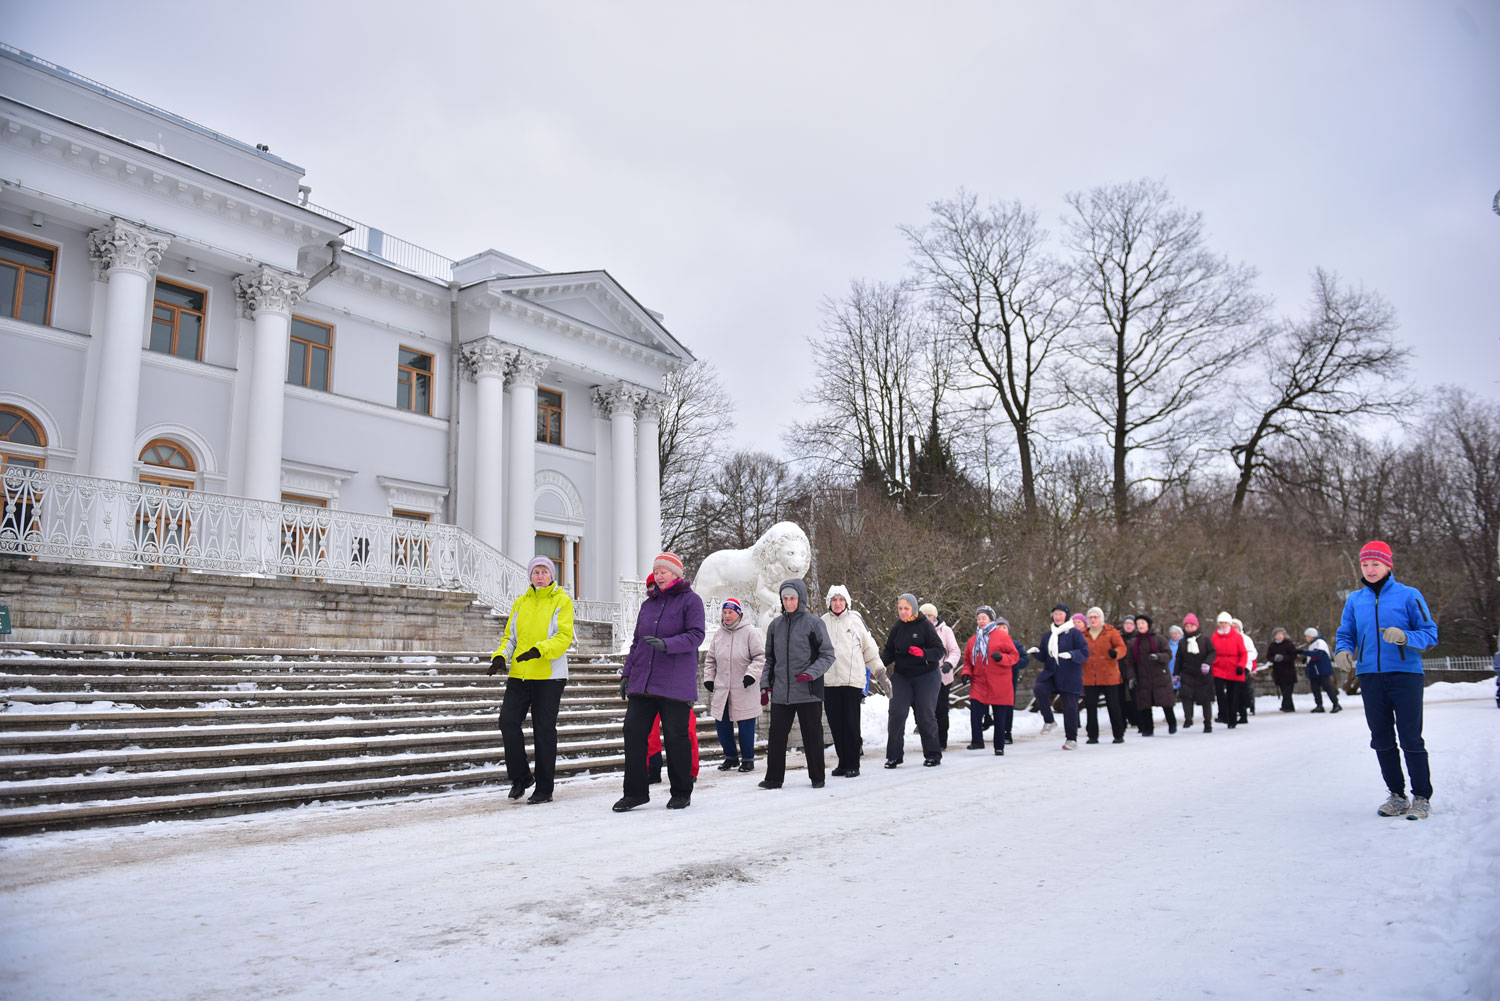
<point>754,575</point>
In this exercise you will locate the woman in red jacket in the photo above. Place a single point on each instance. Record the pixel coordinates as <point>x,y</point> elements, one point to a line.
<point>987,661</point>
<point>1231,663</point>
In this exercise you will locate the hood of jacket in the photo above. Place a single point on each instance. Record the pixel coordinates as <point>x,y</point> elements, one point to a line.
<point>796,584</point>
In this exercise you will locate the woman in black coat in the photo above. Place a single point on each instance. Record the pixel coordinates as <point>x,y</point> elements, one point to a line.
<point>1282,656</point>
<point>1195,659</point>
<point>1147,668</point>
<point>912,652</point>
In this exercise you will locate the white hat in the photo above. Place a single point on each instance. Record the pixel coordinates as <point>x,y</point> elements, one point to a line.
<point>1310,631</point>
<point>1225,617</point>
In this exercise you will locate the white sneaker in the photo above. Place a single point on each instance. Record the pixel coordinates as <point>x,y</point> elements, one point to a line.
<point>1395,806</point>
<point>1419,808</point>
<point>1070,745</point>
<point>1048,728</point>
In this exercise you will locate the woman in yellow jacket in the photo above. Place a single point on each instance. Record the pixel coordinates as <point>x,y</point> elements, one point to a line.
<point>537,636</point>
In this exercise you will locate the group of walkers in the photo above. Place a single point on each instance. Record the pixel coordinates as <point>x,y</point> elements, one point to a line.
<point>804,664</point>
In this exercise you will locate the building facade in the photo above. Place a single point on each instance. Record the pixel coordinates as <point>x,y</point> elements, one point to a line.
<point>174,311</point>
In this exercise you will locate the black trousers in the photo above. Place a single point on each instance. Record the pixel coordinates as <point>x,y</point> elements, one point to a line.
<point>809,716</point>
<point>1228,692</point>
<point>1323,683</point>
<point>541,698</point>
<point>1144,719</point>
<point>1046,687</point>
<point>1204,699</point>
<point>943,705</point>
<point>1247,698</point>
<point>676,717</point>
<point>842,703</point>
<point>1113,704</point>
<point>1286,695</point>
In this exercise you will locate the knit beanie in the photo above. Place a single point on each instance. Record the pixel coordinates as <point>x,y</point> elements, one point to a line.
<point>541,561</point>
<point>1310,632</point>
<point>1190,621</point>
<point>909,598</point>
<point>1144,618</point>
<point>1379,552</point>
<point>1078,618</point>
<point>668,561</point>
<point>1001,620</point>
<point>1060,607</point>
<point>1278,629</point>
<point>1096,610</point>
<point>986,610</point>
<point>1224,617</point>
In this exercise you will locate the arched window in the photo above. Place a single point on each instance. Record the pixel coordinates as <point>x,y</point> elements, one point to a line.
<point>162,522</point>
<point>22,440</point>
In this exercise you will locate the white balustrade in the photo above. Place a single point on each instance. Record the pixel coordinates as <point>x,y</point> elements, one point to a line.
<point>72,518</point>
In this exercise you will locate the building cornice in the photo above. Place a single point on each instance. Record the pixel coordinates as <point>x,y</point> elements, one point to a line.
<point>317,396</point>
<point>40,133</point>
<point>187,366</point>
<point>47,335</point>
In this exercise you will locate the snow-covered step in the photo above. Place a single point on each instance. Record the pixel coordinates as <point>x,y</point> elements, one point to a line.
<point>131,811</point>
<point>89,684</point>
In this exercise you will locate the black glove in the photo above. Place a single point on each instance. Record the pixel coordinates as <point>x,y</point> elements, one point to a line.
<point>497,663</point>
<point>528,655</point>
<point>749,681</point>
<point>1116,654</point>
<point>997,657</point>
<point>655,643</point>
<point>625,688</point>
<point>709,685</point>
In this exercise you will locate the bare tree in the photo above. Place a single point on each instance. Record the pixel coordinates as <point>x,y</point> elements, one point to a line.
<point>1318,375</point>
<point>872,388</point>
<point>1164,318</point>
<point>696,417</point>
<point>1005,300</point>
<point>749,492</point>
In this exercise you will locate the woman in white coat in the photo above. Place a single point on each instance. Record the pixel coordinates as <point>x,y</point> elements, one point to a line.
<point>855,653</point>
<point>731,673</point>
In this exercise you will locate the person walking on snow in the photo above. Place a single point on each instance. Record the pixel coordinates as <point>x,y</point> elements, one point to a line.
<point>856,666</point>
<point>1148,676</point>
<point>536,640</point>
<point>1229,669</point>
<point>913,651</point>
<point>1282,653</point>
<point>660,678</point>
<point>1319,670</point>
<point>1174,637</point>
<point>1061,652</point>
<point>1195,658</point>
<point>798,654</point>
<point>1384,627</point>
<point>1252,665</point>
<point>1003,624</point>
<point>732,669</point>
<point>1101,676</point>
<point>987,660</point>
<point>951,656</point>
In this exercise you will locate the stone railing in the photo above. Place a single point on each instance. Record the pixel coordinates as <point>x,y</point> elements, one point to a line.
<point>632,596</point>
<point>70,518</point>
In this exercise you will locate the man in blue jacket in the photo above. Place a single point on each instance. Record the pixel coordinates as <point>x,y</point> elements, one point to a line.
<point>1384,624</point>
<point>1061,651</point>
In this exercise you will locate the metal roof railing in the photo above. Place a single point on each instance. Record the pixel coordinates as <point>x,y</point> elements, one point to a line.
<point>391,250</point>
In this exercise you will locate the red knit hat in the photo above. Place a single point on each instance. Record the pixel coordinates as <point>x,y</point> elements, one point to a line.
<point>1190,620</point>
<point>1378,551</point>
<point>668,560</point>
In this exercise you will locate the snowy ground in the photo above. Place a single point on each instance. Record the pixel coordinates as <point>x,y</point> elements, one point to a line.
<point>1232,865</point>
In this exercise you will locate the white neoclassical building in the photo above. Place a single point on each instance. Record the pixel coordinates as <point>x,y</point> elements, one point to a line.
<point>174,315</point>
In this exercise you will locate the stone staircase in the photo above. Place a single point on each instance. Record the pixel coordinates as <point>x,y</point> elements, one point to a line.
<point>103,735</point>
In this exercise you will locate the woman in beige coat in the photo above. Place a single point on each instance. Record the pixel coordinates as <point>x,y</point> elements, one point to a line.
<point>856,665</point>
<point>731,673</point>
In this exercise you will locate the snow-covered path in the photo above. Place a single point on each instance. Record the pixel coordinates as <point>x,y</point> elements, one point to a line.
<point>1233,865</point>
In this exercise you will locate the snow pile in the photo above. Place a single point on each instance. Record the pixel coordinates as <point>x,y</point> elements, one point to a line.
<point>1238,865</point>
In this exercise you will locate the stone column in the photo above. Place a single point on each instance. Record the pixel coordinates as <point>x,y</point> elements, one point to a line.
<point>126,256</point>
<point>525,369</point>
<point>648,479</point>
<point>487,359</point>
<point>267,296</point>
<point>622,403</point>
<point>600,544</point>
<point>570,561</point>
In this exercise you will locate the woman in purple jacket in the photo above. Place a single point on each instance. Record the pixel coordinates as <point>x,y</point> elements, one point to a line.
<point>660,677</point>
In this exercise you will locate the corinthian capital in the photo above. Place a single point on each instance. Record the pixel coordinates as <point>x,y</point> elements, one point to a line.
<point>651,407</point>
<point>487,357</point>
<point>267,289</point>
<point>621,399</point>
<point>526,367</point>
<point>124,246</point>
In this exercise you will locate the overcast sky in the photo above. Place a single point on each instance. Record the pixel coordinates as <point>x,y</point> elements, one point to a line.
<point>734,163</point>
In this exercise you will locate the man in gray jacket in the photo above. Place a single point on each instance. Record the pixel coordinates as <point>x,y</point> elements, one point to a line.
<point>798,652</point>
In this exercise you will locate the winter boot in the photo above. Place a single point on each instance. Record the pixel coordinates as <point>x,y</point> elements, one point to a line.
<point>852,773</point>
<point>817,783</point>
<point>892,763</point>
<point>679,802</point>
<point>728,765</point>
<point>1396,805</point>
<point>768,784</point>
<point>1318,709</point>
<point>518,789</point>
<point>747,766</point>
<point>1208,726</point>
<point>976,745</point>
<point>931,762</point>
<point>840,772</point>
<point>625,803</point>
<point>539,797</point>
<point>1000,749</point>
<point>1337,708</point>
<point>1419,808</point>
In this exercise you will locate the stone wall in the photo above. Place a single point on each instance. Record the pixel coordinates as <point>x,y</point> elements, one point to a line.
<point>71,604</point>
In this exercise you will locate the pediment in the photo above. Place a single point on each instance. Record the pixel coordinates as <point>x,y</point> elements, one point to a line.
<point>594,298</point>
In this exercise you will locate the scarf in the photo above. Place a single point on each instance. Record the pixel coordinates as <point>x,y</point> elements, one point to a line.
<point>982,641</point>
<point>1057,630</point>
